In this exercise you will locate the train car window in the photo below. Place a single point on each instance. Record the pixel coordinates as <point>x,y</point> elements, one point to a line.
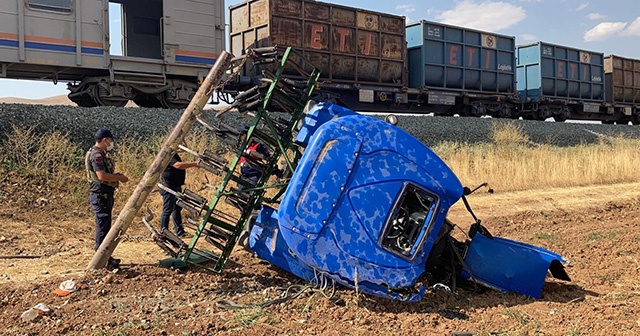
<point>63,6</point>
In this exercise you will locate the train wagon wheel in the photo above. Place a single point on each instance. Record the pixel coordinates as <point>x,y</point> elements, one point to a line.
<point>172,105</point>
<point>101,94</point>
<point>83,96</point>
<point>84,101</point>
<point>111,102</point>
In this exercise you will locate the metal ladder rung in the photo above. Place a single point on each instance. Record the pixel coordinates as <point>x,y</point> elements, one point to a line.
<point>208,160</point>
<point>217,232</point>
<point>206,255</point>
<point>264,137</point>
<point>224,216</point>
<point>222,224</point>
<point>215,243</point>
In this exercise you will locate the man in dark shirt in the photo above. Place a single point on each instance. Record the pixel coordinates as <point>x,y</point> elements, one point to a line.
<point>173,178</point>
<point>103,180</point>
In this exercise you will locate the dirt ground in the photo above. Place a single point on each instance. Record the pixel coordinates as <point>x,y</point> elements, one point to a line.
<point>596,228</point>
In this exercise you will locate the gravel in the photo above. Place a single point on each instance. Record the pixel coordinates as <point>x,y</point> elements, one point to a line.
<point>81,124</point>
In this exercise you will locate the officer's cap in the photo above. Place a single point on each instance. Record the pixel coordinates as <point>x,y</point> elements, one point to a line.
<point>104,133</point>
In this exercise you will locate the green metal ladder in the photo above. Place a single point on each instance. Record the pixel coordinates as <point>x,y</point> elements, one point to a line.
<point>286,91</point>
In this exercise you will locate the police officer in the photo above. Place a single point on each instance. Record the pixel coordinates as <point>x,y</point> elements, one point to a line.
<point>103,180</point>
<point>173,178</point>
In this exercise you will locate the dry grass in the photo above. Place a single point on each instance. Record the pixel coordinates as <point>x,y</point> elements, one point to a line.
<point>512,162</point>
<point>49,158</point>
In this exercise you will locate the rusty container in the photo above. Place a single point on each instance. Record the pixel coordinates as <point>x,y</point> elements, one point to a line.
<point>349,45</point>
<point>622,80</point>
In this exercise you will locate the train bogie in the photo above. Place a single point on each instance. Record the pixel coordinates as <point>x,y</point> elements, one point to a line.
<point>347,44</point>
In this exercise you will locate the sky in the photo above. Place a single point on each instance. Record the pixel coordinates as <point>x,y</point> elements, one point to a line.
<point>609,27</point>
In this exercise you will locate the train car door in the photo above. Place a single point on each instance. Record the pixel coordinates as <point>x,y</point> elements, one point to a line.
<point>192,31</point>
<point>141,28</point>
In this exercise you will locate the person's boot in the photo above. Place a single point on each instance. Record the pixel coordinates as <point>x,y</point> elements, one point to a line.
<point>113,263</point>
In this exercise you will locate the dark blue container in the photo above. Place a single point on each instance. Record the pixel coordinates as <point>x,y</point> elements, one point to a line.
<point>449,57</point>
<point>548,71</point>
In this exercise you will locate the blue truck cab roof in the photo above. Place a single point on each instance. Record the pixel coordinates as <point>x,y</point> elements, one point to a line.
<point>367,199</point>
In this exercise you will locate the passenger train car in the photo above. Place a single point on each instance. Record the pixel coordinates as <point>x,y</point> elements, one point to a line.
<point>167,47</point>
<point>370,61</point>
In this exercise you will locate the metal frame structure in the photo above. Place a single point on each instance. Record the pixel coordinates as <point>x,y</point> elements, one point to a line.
<point>220,229</point>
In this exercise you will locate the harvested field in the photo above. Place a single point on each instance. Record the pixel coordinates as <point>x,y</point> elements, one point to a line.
<point>596,228</point>
<point>46,237</point>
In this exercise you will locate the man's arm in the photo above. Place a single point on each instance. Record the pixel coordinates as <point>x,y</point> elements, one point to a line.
<point>184,165</point>
<point>108,177</point>
<point>98,166</point>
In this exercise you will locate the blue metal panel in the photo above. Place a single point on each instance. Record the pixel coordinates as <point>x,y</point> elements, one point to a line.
<point>267,242</point>
<point>560,72</point>
<point>342,196</point>
<point>448,57</point>
<point>316,117</point>
<point>508,265</point>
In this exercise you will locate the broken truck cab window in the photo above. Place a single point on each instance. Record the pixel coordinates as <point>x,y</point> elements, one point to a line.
<point>63,6</point>
<point>410,220</point>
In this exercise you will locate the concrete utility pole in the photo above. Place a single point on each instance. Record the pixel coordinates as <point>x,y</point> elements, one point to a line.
<point>153,174</point>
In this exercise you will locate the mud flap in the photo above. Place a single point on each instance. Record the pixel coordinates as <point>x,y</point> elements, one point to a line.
<point>266,241</point>
<point>512,266</point>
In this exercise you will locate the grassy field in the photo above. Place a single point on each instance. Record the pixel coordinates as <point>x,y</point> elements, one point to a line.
<point>509,162</point>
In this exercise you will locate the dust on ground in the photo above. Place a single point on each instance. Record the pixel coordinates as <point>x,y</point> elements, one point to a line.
<point>596,228</point>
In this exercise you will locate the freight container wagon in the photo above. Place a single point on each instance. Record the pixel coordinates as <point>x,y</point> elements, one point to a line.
<point>560,81</point>
<point>622,80</point>
<point>362,54</point>
<point>167,46</point>
<point>470,69</point>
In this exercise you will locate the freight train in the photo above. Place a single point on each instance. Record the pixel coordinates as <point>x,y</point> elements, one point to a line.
<point>370,61</point>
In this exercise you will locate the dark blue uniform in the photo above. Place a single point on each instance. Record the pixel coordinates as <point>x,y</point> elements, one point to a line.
<point>173,179</point>
<point>100,193</point>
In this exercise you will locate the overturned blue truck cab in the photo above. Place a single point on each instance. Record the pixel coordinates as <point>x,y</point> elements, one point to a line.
<point>367,208</point>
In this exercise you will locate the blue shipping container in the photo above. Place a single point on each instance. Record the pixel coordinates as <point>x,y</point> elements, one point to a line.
<point>449,57</point>
<point>557,72</point>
